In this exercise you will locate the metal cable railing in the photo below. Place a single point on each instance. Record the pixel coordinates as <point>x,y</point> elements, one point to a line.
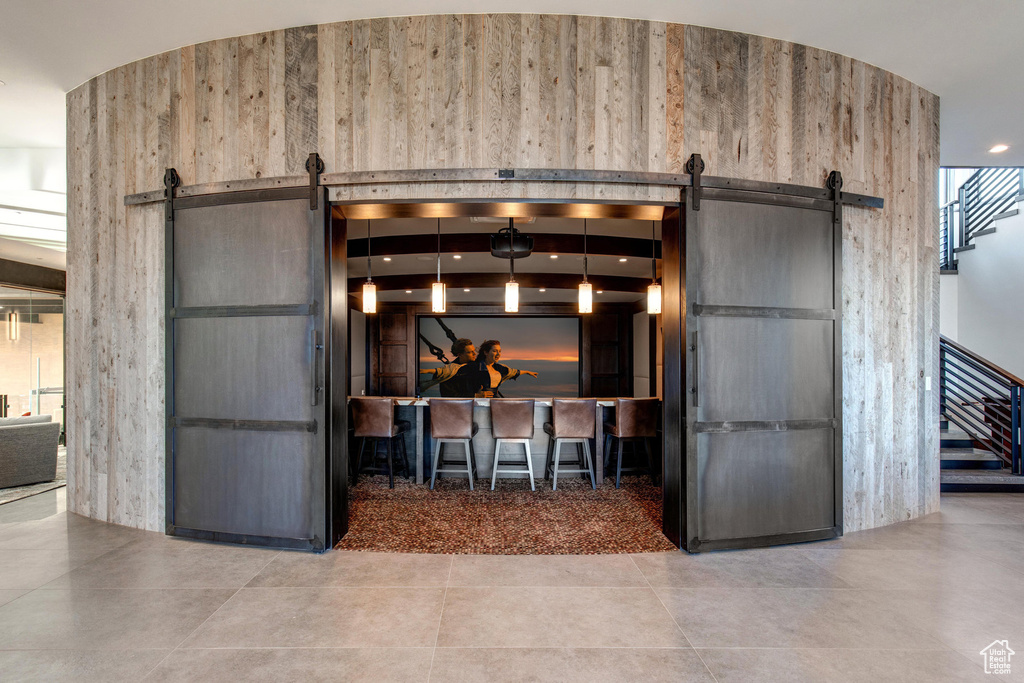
<point>983,400</point>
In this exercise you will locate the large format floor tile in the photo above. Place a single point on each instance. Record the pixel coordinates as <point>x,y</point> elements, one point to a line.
<point>166,562</point>
<point>347,568</point>
<point>32,568</point>
<point>296,664</point>
<point>790,617</point>
<point>828,666</point>
<point>324,617</point>
<point>546,570</point>
<point>781,567</point>
<point>588,665</point>
<point>105,619</point>
<point>556,617</point>
<point>910,569</point>
<point>7,596</point>
<point>81,666</point>
<point>33,508</point>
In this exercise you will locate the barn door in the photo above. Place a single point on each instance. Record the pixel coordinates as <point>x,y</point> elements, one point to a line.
<point>247,364</point>
<point>763,379</point>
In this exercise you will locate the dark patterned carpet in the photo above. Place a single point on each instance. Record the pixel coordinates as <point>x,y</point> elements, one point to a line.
<point>511,520</point>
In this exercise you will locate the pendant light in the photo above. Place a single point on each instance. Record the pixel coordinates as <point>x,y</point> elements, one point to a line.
<point>438,294</point>
<point>653,289</point>
<point>369,289</point>
<point>586,289</point>
<point>511,287</point>
<point>12,326</point>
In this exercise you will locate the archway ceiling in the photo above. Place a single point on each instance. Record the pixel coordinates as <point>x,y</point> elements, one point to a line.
<point>968,53</point>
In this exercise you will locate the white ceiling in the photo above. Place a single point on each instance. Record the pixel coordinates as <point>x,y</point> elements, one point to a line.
<point>968,53</point>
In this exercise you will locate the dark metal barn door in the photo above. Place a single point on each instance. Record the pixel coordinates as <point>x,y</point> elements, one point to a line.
<point>247,368</point>
<point>762,342</point>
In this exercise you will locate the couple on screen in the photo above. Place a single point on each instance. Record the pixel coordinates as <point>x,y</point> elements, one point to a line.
<point>472,374</point>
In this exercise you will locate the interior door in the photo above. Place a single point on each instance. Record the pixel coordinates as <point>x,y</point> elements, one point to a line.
<point>762,341</point>
<point>248,361</point>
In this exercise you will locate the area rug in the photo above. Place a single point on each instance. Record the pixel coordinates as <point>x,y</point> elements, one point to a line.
<point>511,520</point>
<point>9,495</point>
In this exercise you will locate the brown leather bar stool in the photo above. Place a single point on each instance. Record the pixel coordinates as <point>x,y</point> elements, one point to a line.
<point>451,421</point>
<point>373,420</point>
<point>512,422</point>
<point>636,420</point>
<point>573,420</point>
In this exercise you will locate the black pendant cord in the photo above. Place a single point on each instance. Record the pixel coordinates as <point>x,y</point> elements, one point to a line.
<point>654,260</point>
<point>438,249</point>
<point>511,254</point>
<point>369,277</point>
<point>584,250</point>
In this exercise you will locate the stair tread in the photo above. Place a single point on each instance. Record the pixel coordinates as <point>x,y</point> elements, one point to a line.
<point>966,454</point>
<point>981,477</point>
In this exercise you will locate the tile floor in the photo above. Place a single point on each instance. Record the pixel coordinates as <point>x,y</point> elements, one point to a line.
<point>82,600</point>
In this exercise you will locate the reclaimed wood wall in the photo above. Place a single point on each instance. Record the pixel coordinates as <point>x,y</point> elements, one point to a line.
<point>520,91</point>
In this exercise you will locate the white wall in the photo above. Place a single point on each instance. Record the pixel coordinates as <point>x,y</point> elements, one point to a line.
<point>949,289</point>
<point>990,296</point>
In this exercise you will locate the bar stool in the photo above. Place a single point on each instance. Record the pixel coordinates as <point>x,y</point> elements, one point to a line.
<point>636,420</point>
<point>374,420</point>
<point>573,420</point>
<point>512,422</point>
<point>451,421</point>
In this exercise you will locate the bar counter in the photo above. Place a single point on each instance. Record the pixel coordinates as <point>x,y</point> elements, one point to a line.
<point>412,409</point>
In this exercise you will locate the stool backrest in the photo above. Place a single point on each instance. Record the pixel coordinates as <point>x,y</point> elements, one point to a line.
<point>636,416</point>
<point>512,418</point>
<point>373,417</point>
<point>574,418</point>
<point>451,418</point>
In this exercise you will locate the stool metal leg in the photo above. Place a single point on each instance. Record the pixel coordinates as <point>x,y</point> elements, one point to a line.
<point>554,474</point>
<point>618,467</point>
<point>547,461</point>
<point>494,470</point>
<point>529,463</point>
<point>589,464</point>
<point>437,457</point>
<point>391,465</point>
<point>469,462</point>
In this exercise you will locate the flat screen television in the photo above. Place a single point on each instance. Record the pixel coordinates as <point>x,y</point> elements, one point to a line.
<point>549,346</point>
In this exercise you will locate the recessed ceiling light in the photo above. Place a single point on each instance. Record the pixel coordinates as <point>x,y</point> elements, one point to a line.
<point>457,256</point>
<point>554,256</point>
<point>600,291</point>
<point>542,290</point>
<point>387,258</point>
<point>999,148</point>
<point>408,291</point>
<point>2,83</point>
<point>622,260</point>
<point>466,289</point>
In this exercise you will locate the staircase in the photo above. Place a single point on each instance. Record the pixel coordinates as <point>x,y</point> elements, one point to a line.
<point>987,196</point>
<point>980,437</point>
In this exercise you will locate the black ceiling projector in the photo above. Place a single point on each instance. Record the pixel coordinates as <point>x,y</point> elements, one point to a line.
<point>521,245</point>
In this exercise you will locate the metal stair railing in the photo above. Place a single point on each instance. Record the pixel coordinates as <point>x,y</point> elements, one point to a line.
<point>949,228</point>
<point>982,399</point>
<point>986,194</point>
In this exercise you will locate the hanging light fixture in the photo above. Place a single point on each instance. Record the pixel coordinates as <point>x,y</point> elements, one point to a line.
<point>12,326</point>
<point>586,289</point>
<point>653,289</point>
<point>369,289</point>
<point>511,287</point>
<point>438,295</point>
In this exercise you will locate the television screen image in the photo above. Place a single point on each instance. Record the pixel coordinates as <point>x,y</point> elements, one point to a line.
<point>548,346</point>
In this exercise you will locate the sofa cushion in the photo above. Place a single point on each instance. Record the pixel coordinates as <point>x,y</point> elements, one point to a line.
<point>31,419</point>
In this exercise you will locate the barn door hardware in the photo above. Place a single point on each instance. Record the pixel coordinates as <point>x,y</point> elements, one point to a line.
<point>314,166</point>
<point>834,182</point>
<point>695,166</point>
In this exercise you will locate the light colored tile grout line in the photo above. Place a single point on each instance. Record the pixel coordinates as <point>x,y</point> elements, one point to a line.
<point>437,636</point>
<point>191,633</point>
<point>672,617</point>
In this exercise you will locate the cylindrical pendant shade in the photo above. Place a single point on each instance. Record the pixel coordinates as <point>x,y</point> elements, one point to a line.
<point>511,297</point>
<point>654,298</point>
<point>13,333</point>
<point>438,298</point>
<point>586,297</point>
<point>369,297</point>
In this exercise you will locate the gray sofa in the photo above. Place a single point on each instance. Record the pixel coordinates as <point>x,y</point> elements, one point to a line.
<point>28,450</point>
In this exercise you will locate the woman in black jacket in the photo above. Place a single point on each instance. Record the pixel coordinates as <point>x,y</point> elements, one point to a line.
<point>486,373</point>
